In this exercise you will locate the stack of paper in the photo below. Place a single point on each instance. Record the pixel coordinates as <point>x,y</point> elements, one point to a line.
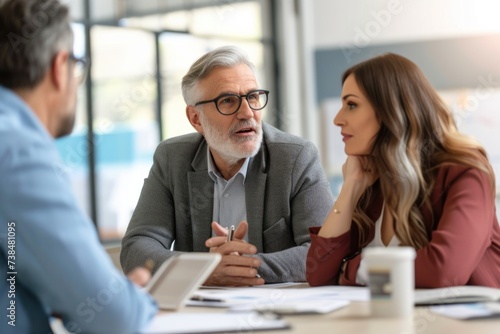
<point>214,323</point>
<point>283,301</point>
<point>456,294</point>
<point>312,306</point>
<point>468,311</point>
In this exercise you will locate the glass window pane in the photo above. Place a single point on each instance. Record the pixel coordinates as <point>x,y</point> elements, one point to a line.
<point>178,20</point>
<point>126,132</point>
<point>244,20</point>
<point>239,20</point>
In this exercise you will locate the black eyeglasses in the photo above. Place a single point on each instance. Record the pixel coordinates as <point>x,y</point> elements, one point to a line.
<point>81,67</point>
<point>228,104</point>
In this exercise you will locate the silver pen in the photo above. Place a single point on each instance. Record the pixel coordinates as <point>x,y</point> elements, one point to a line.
<point>230,236</point>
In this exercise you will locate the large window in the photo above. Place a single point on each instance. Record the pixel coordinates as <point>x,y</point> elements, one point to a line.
<point>124,92</point>
<point>136,53</point>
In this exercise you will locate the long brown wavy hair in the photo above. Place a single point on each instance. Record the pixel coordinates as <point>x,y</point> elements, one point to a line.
<point>418,134</point>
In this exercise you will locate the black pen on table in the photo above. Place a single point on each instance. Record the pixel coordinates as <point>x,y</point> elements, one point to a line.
<point>208,300</point>
<point>230,236</point>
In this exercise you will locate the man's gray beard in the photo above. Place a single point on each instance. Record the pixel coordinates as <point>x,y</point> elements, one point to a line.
<point>224,145</point>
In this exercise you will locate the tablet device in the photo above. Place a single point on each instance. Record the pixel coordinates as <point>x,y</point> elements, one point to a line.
<point>178,277</point>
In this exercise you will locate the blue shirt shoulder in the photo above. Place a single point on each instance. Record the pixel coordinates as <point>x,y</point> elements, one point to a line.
<point>48,246</point>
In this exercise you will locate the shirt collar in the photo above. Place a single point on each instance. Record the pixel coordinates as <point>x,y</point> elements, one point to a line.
<point>15,106</point>
<point>214,173</point>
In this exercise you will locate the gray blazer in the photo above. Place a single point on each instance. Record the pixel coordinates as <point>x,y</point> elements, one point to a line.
<point>286,193</point>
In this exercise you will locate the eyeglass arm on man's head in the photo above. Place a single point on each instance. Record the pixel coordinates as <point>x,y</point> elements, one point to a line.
<point>84,63</point>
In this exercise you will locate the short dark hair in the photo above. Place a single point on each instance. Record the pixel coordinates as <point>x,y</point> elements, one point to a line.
<point>31,33</point>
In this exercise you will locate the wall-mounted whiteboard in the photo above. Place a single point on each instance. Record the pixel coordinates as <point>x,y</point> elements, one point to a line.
<point>477,113</point>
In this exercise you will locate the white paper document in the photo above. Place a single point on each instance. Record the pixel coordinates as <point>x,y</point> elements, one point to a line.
<point>312,306</point>
<point>181,323</point>
<point>285,301</point>
<point>456,294</point>
<point>468,311</point>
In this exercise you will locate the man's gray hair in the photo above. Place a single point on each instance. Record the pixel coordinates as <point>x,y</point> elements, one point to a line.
<point>31,34</point>
<point>225,56</point>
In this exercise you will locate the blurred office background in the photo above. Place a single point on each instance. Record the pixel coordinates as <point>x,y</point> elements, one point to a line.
<point>141,49</point>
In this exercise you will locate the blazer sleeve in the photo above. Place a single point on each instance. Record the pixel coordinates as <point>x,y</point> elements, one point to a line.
<point>151,230</point>
<point>336,260</point>
<point>326,257</point>
<point>310,201</point>
<point>463,232</point>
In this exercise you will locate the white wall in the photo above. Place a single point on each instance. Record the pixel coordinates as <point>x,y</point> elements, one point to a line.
<point>365,22</point>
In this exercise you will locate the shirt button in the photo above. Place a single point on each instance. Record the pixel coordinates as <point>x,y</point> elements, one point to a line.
<point>226,195</point>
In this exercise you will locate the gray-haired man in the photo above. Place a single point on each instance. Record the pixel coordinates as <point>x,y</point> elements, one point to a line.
<point>234,169</point>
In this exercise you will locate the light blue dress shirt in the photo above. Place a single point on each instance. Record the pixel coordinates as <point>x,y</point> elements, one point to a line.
<point>229,195</point>
<point>57,264</point>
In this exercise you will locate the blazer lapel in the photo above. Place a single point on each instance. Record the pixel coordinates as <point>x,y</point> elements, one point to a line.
<point>255,186</point>
<point>201,194</point>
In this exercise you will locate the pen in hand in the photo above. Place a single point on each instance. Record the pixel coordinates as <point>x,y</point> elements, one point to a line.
<point>230,236</point>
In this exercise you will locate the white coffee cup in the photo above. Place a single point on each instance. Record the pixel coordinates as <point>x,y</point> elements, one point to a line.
<point>391,280</point>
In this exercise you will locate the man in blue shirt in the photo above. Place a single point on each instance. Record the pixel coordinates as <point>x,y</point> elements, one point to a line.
<point>51,261</point>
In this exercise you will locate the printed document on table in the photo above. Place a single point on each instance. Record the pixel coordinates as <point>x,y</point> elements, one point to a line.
<point>255,296</point>
<point>312,306</point>
<point>468,311</point>
<point>456,295</point>
<point>247,322</point>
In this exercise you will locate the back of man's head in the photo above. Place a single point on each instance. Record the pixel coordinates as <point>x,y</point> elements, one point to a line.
<point>31,33</point>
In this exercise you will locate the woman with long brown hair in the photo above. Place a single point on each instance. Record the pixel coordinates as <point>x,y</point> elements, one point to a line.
<point>410,179</point>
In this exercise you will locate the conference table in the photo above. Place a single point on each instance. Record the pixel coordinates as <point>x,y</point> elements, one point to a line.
<point>355,318</point>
